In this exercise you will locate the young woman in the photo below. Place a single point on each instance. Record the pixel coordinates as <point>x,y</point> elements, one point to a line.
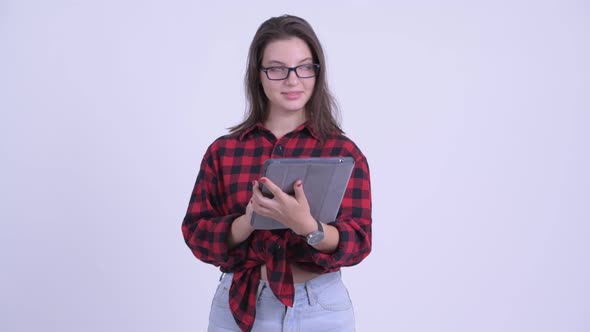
<point>287,279</point>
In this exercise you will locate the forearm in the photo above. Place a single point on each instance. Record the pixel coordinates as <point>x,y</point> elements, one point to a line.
<point>207,239</point>
<point>331,239</point>
<point>240,230</point>
<point>353,245</point>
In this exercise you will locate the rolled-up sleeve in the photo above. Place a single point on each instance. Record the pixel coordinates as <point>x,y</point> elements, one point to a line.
<point>353,222</point>
<point>206,226</point>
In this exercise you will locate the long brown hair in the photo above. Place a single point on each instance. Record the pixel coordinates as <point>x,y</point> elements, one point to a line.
<point>321,109</point>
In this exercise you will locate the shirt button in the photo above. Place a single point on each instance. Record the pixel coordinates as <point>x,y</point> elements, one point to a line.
<point>277,249</point>
<point>279,149</point>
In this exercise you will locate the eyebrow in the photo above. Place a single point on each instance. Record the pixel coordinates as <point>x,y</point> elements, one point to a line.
<point>275,62</point>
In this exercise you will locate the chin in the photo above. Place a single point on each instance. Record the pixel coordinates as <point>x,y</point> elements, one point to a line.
<point>291,108</point>
<point>294,109</point>
<point>288,106</point>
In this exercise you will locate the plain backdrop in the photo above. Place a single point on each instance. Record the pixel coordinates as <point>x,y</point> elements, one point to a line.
<point>474,116</point>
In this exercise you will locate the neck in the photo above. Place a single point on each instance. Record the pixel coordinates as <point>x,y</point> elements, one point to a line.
<point>281,124</point>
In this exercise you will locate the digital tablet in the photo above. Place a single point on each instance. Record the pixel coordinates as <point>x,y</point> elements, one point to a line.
<point>324,183</point>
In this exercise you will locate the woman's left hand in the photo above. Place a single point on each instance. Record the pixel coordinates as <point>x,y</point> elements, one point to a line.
<point>291,211</point>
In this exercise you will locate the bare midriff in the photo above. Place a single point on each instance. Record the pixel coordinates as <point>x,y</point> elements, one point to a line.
<point>299,275</point>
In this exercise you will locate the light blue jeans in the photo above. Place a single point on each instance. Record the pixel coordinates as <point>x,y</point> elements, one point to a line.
<point>321,304</point>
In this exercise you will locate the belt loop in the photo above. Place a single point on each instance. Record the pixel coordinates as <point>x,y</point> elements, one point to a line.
<point>310,295</point>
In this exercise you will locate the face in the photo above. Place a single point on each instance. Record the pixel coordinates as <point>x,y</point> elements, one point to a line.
<point>291,94</point>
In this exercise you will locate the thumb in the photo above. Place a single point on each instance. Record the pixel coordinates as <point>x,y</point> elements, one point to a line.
<point>299,193</point>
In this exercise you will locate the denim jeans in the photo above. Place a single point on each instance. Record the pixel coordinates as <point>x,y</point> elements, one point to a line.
<point>321,304</point>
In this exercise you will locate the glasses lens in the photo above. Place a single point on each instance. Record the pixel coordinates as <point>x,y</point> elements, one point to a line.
<point>305,71</point>
<point>277,73</point>
<point>281,73</point>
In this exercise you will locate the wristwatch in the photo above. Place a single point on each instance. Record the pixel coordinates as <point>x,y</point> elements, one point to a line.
<point>315,237</point>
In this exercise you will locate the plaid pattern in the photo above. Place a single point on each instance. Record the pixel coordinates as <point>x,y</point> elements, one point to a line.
<point>222,191</point>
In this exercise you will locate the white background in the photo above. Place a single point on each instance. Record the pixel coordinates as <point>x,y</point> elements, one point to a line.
<point>474,117</point>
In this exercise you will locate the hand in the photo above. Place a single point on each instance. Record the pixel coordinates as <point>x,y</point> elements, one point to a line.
<point>291,211</point>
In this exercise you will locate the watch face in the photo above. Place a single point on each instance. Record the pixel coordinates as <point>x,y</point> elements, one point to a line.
<point>315,237</point>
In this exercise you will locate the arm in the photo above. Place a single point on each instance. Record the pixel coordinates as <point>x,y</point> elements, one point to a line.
<point>352,229</point>
<point>293,212</point>
<point>331,240</point>
<point>240,229</point>
<point>211,233</point>
<point>347,241</point>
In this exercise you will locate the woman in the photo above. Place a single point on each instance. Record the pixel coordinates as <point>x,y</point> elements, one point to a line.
<point>279,280</point>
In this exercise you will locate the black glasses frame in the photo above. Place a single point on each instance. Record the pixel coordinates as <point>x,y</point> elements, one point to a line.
<point>292,69</point>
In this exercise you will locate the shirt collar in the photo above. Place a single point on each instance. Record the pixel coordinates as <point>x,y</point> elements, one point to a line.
<point>260,126</point>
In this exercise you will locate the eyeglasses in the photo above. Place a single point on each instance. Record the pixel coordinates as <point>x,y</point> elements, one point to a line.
<point>281,73</point>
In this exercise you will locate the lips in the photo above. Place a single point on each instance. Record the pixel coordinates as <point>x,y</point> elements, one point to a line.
<point>291,95</point>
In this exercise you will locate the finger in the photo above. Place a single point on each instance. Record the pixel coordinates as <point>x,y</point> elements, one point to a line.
<point>273,188</point>
<point>263,210</point>
<point>255,191</point>
<point>299,193</point>
<point>255,187</point>
<point>258,197</point>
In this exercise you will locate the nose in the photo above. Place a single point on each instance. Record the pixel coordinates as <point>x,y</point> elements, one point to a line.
<point>292,77</point>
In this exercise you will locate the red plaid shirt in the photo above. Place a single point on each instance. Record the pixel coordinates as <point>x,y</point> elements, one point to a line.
<point>222,191</point>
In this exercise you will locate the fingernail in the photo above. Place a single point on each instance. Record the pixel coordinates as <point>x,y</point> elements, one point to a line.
<point>253,182</point>
<point>299,184</point>
<point>263,180</point>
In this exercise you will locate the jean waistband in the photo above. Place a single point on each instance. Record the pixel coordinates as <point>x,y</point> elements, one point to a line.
<point>318,282</point>
<point>305,290</point>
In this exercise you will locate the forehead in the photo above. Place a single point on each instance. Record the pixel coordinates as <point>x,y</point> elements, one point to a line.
<point>288,51</point>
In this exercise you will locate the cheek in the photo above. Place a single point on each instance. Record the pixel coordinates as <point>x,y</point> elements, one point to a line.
<point>310,86</point>
<point>267,89</point>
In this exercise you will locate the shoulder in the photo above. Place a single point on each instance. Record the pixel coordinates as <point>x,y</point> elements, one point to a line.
<point>219,148</point>
<point>223,142</point>
<point>344,145</point>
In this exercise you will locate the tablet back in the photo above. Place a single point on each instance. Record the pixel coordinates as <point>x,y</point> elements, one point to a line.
<point>324,183</point>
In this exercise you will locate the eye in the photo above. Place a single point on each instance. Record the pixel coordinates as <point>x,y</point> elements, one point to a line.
<point>277,70</point>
